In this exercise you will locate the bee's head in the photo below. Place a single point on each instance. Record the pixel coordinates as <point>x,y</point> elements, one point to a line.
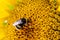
<point>23,20</point>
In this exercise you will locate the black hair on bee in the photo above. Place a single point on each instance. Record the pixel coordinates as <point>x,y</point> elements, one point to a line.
<point>20,23</point>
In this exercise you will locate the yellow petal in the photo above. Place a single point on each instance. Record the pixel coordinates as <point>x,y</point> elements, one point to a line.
<point>3,14</point>
<point>2,34</point>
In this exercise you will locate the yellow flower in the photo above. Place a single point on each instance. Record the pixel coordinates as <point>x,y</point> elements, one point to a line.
<point>58,9</point>
<point>2,34</point>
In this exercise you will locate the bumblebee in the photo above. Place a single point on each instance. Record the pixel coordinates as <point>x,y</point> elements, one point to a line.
<point>20,23</point>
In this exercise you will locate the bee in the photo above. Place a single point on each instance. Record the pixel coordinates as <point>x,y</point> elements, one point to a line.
<point>20,23</point>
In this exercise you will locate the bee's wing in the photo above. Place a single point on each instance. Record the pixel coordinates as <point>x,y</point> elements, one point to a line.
<point>17,22</point>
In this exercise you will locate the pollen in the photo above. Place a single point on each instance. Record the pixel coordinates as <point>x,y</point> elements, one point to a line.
<point>45,21</point>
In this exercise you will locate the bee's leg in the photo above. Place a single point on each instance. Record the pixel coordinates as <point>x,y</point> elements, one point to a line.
<point>18,27</point>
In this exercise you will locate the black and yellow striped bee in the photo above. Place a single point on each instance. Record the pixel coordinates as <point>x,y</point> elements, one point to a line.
<point>20,23</point>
